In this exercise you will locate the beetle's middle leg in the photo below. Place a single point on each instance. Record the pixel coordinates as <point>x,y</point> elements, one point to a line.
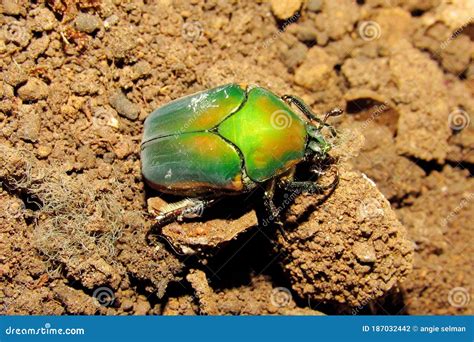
<point>311,187</point>
<point>272,211</point>
<point>187,208</point>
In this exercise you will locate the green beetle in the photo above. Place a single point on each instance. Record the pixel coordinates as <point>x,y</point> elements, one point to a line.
<point>229,140</point>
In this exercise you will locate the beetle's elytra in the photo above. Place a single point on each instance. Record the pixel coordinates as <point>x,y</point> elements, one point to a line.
<point>227,140</point>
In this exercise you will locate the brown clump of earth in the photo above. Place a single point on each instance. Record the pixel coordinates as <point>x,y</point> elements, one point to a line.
<point>78,79</point>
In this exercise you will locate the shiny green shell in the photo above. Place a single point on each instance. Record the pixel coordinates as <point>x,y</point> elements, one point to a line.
<point>221,140</point>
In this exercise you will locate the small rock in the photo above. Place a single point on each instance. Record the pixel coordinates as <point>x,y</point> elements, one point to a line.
<point>364,252</point>
<point>366,229</point>
<point>17,32</point>
<point>85,83</point>
<point>140,69</point>
<point>306,33</point>
<point>38,46</point>
<point>85,157</point>
<point>6,90</point>
<point>285,9</point>
<point>87,23</point>
<point>127,304</point>
<point>111,21</point>
<point>15,75</point>
<point>44,151</point>
<point>43,20</point>
<point>30,123</point>
<point>124,106</point>
<point>34,89</point>
<point>11,7</point>
<point>322,38</point>
<point>123,148</point>
<point>142,306</point>
<point>314,5</point>
<point>109,157</point>
<point>316,72</point>
<point>295,56</point>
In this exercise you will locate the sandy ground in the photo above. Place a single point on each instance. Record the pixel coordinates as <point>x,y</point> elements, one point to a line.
<point>77,234</point>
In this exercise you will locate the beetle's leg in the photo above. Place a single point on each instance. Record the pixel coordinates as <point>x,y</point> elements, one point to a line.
<point>189,208</point>
<point>308,187</point>
<point>273,213</point>
<point>303,107</point>
<point>272,210</point>
<point>311,187</point>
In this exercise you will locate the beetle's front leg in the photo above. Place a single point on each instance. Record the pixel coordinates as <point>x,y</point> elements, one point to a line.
<point>187,208</point>
<point>310,187</point>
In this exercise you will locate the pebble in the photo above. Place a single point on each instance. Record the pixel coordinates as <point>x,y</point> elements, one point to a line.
<point>306,33</point>
<point>322,38</point>
<point>87,23</point>
<point>44,151</point>
<point>111,21</point>
<point>285,9</point>
<point>14,75</point>
<point>314,5</point>
<point>124,106</point>
<point>127,304</point>
<point>44,20</point>
<point>30,123</point>
<point>140,69</point>
<point>295,56</point>
<point>142,306</point>
<point>316,72</point>
<point>364,252</point>
<point>123,148</point>
<point>11,7</point>
<point>37,47</point>
<point>34,89</point>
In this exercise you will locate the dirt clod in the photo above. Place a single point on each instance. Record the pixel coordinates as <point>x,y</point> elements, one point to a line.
<point>319,255</point>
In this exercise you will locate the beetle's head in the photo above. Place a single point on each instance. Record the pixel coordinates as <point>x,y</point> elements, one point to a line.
<point>320,140</point>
